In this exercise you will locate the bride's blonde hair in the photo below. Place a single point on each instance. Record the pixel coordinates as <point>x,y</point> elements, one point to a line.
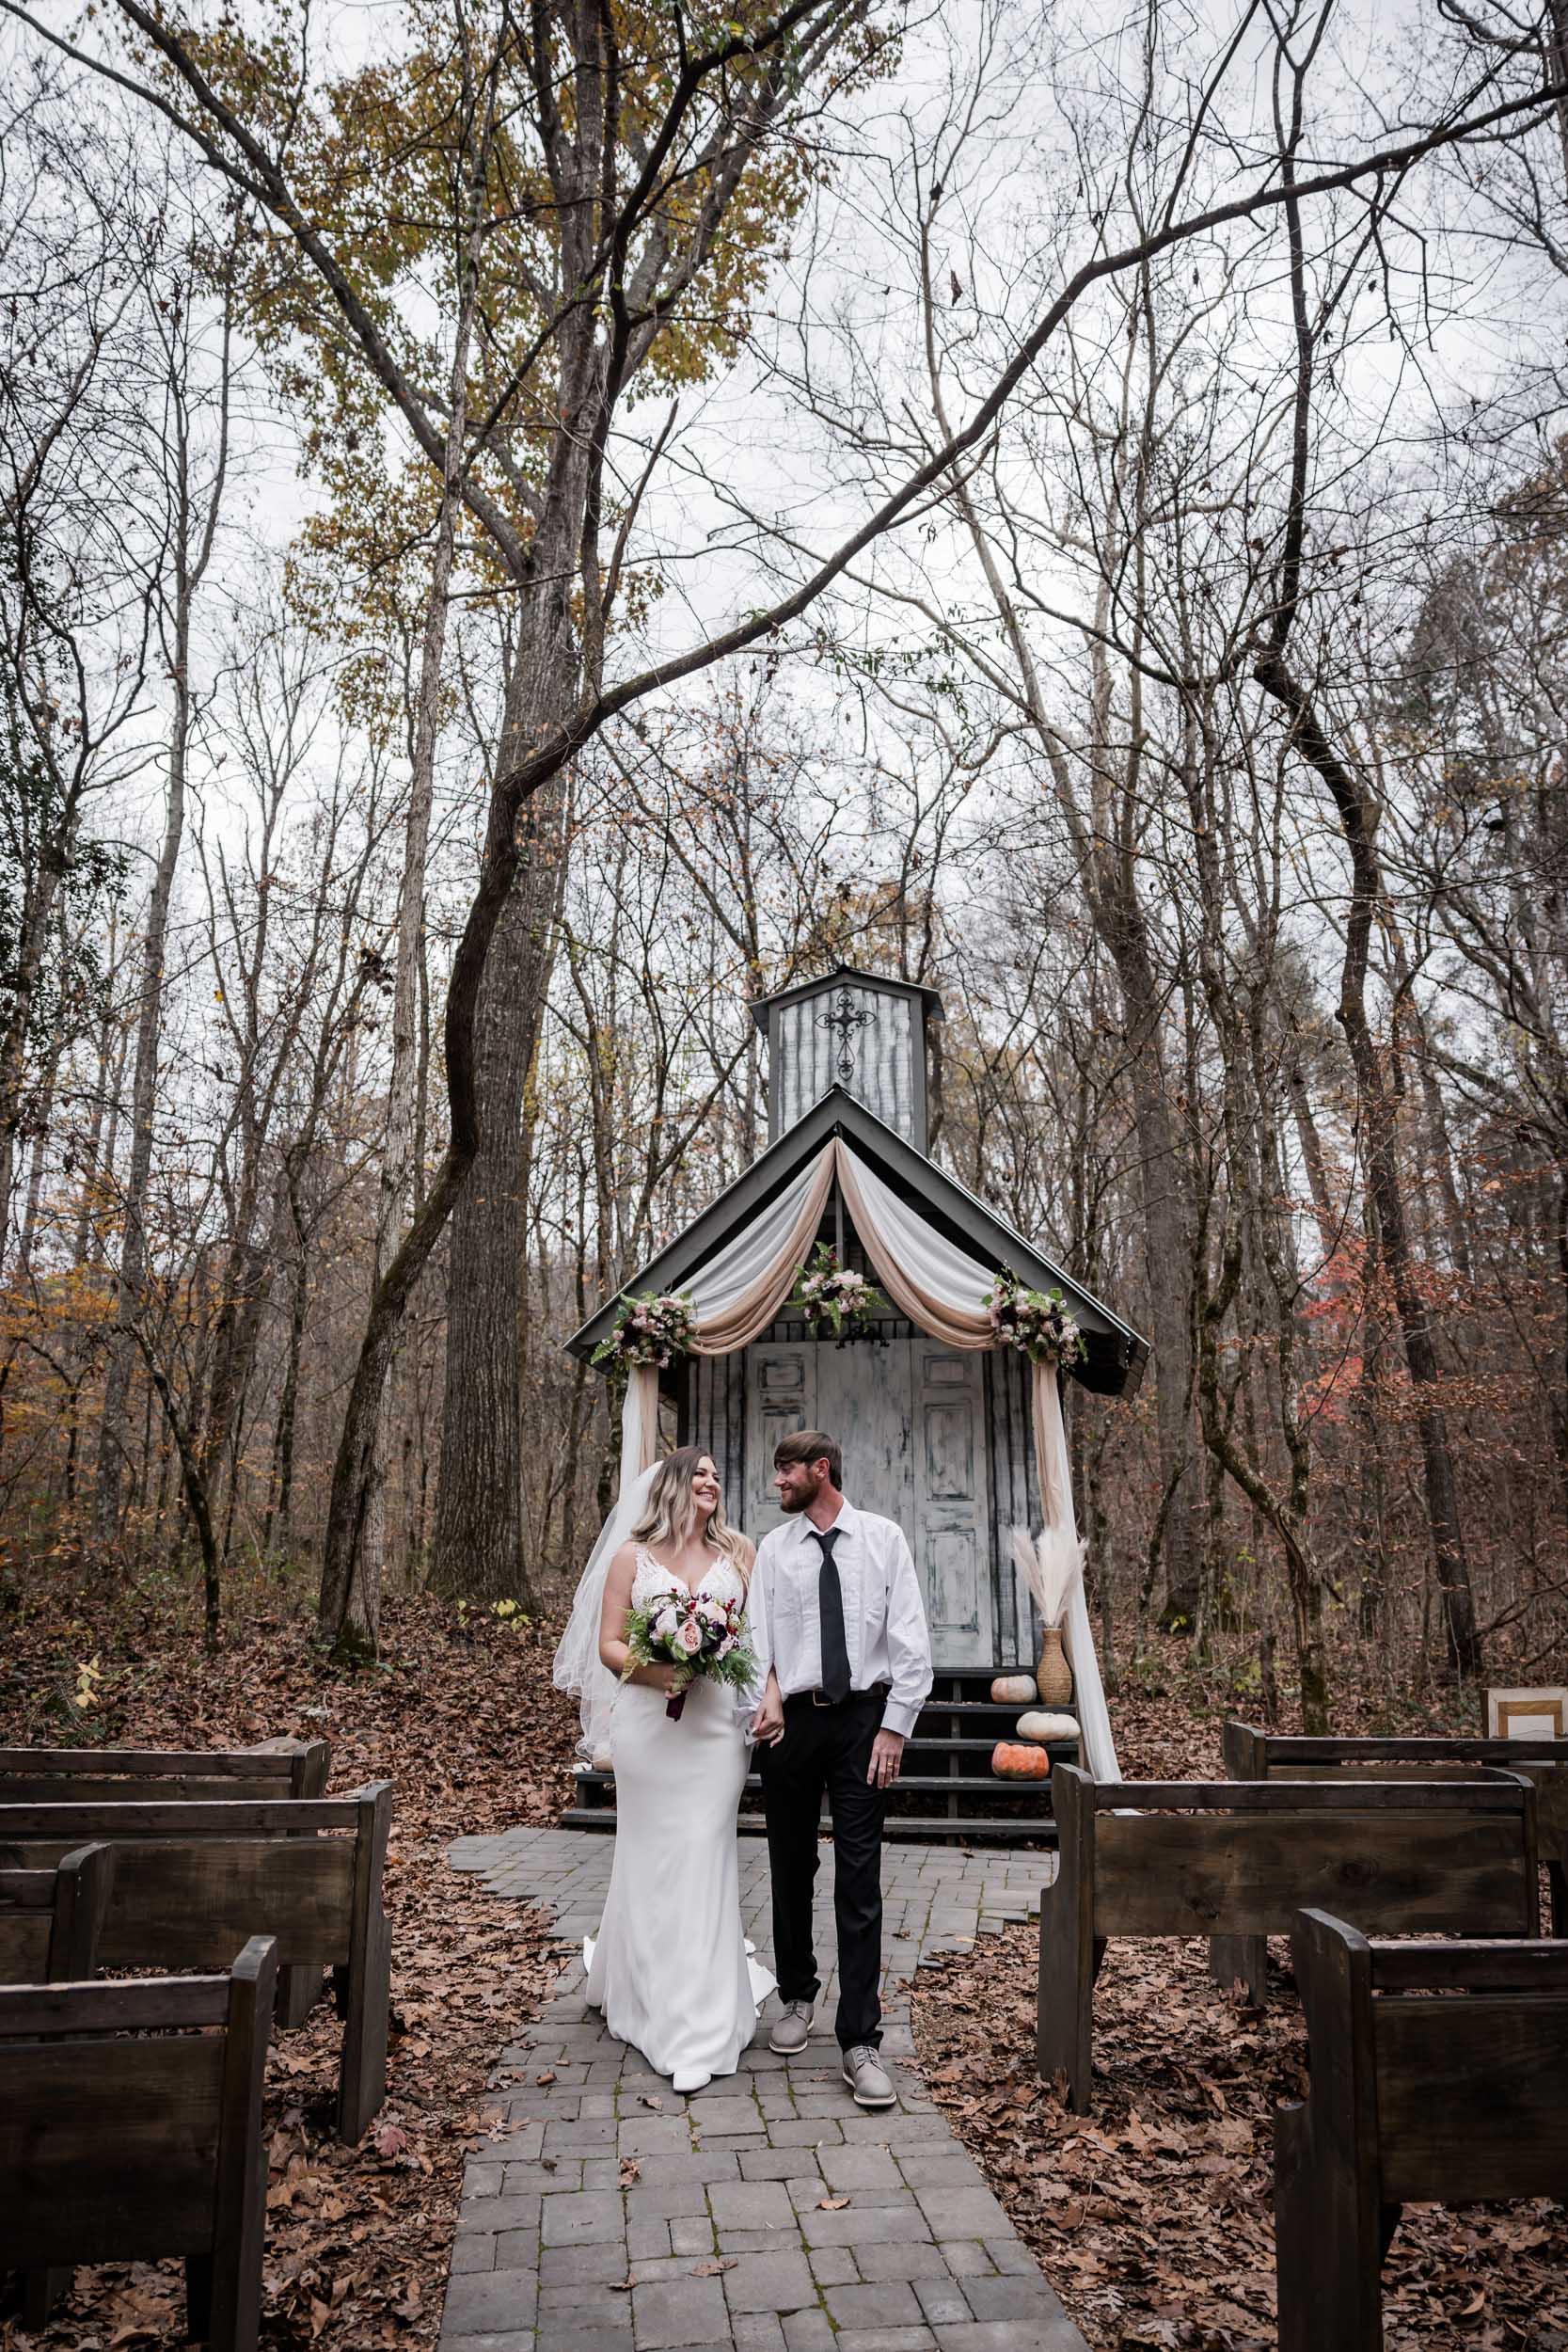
<point>671,1511</point>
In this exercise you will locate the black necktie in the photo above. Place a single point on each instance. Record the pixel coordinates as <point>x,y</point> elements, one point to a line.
<point>829,1609</point>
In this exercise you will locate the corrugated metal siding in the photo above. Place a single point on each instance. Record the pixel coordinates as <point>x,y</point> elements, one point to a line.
<point>1015,1501</point>
<point>717,1423</point>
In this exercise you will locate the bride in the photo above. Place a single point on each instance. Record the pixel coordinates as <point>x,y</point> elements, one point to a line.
<point>668,1968</point>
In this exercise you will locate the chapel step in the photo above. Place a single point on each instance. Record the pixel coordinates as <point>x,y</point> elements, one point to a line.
<point>978,1713</point>
<point>967,1799</point>
<point>943,1829</point>
<point>947,1793</point>
<point>600,1786</point>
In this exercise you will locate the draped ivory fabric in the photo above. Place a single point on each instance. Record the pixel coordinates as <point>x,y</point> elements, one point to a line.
<point>939,1287</point>
<point>740,1292</point>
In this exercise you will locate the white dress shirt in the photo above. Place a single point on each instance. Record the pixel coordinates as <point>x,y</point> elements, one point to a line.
<point>884,1617</point>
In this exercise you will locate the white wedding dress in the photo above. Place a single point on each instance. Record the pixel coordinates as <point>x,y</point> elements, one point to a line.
<point>669,1967</point>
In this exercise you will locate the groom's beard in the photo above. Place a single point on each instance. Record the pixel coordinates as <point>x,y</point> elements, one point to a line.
<point>800,1498</point>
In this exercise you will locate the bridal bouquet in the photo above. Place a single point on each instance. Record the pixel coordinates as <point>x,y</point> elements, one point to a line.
<point>702,1637</point>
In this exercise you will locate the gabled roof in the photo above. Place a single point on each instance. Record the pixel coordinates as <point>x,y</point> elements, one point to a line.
<point>841,972</point>
<point>1116,1354</point>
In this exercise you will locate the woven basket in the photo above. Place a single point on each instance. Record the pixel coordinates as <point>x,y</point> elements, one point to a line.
<point>1053,1675</point>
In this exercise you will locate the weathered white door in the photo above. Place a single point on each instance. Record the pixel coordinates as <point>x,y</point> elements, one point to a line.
<point>781,1397</point>
<point>910,1418</point>
<point>863,1396</point>
<point>951,1537</point>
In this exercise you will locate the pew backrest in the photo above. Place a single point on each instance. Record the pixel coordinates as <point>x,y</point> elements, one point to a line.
<point>193,1878</point>
<point>277,1768</point>
<point>52,1919</point>
<point>1241,1858</point>
<point>1470,2091</point>
<point>1254,1755</point>
<point>1435,2074</point>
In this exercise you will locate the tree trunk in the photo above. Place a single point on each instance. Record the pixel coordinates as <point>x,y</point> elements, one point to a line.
<point>193,541</point>
<point>39,896</point>
<point>1357,820</point>
<point>478,1496</point>
<point>358,1622</point>
<point>144,1096</point>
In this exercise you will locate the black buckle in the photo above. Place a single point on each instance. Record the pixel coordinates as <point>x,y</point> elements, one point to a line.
<point>820,1697</point>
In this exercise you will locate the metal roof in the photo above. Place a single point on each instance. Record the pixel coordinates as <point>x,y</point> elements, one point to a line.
<point>840,972</point>
<point>1117,1353</point>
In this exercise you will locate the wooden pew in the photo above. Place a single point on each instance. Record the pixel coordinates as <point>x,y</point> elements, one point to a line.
<point>1241,1858</point>
<point>50,1919</point>
<point>1253,1755</point>
<point>192,1881</point>
<point>275,1768</point>
<point>1411,2099</point>
<point>125,2135</point>
<point>50,1924</point>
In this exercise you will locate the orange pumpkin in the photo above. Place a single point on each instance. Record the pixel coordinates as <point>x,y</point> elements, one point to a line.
<point>1014,1760</point>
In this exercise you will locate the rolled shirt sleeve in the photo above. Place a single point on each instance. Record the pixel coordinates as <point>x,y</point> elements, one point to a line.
<point>748,1698</point>
<point>908,1642</point>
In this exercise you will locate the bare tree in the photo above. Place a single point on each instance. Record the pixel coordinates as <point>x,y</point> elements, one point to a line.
<point>190,324</point>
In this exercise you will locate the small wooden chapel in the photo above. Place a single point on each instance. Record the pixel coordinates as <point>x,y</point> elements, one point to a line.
<point>940,1436</point>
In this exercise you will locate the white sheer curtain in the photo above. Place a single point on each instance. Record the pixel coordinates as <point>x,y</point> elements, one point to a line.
<point>939,1287</point>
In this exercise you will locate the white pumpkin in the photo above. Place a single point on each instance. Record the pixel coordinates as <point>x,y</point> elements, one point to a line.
<point>1013,1690</point>
<point>1043,1728</point>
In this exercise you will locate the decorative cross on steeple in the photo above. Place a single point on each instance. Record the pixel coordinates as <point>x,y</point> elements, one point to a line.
<point>846,1017</point>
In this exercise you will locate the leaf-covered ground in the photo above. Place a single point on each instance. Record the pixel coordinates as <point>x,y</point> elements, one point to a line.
<point>1153,2217</point>
<point>462,1719</point>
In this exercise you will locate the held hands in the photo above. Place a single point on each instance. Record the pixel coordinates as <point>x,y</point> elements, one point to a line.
<point>887,1757</point>
<point>768,1724</point>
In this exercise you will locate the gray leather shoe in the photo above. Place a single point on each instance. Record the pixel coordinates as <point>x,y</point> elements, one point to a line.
<point>866,2078</point>
<point>791,2028</point>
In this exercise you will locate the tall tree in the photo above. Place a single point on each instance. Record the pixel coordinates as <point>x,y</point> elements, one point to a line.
<point>190,304</point>
<point>1355,803</point>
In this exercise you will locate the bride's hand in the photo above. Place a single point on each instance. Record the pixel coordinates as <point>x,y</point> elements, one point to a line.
<point>657,1678</point>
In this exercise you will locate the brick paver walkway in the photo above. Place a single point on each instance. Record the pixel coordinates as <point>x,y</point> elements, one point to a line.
<point>768,2213</point>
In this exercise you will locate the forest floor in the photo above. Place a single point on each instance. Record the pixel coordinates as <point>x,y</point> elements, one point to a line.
<point>1151,2219</point>
<point>460,1716</point>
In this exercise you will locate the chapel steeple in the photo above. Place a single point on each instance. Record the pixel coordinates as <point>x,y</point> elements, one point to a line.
<point>856,1029</point>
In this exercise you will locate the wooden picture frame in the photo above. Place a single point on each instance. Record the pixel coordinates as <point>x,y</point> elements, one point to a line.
<point>1540,1714</point>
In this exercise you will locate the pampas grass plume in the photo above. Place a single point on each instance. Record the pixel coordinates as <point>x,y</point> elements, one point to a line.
<point>1048,1563</point>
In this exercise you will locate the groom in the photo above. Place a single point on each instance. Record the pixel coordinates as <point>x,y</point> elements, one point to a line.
<point>851,1671</point>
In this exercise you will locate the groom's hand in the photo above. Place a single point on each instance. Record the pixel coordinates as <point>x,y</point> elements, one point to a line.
<point>887,1756</point>
<point>768,1724</point>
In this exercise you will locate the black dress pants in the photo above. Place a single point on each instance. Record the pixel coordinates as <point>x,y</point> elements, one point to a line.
<point>827,1747</point>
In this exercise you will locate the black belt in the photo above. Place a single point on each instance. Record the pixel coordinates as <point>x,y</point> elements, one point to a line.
<point>819,1697</point>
